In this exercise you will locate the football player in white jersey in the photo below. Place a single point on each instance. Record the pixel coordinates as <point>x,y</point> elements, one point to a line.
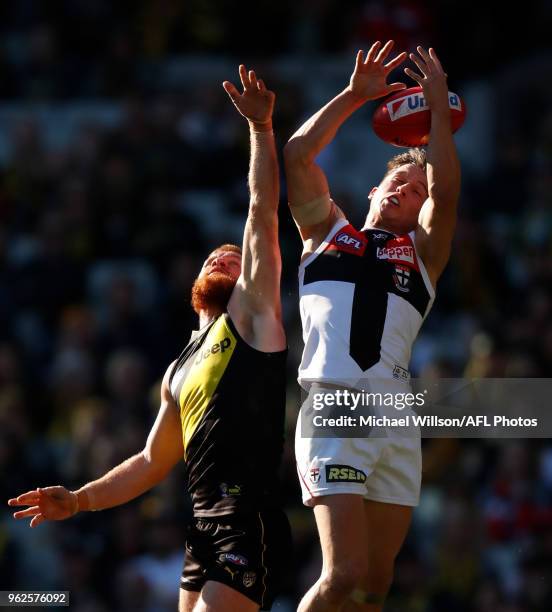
<point>364,295</point>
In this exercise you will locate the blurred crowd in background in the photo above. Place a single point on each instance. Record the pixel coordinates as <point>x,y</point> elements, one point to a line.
<point>122,163</point>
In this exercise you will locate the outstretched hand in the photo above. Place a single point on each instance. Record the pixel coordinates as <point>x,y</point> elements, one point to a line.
<point>256,102</point>
<point>369,79</point>
<point>433,79</point>
<point>48,504</point>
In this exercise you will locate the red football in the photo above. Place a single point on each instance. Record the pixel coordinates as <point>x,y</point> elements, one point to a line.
<point>404,119</point>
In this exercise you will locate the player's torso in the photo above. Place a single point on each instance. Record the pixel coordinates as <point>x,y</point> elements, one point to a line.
<point>231,399</point>
<point>363,298</point>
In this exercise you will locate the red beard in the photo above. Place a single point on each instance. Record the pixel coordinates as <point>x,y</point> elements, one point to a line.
<point>212,293</point>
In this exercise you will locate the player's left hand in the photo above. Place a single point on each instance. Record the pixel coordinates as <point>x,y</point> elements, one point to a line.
<point>433,79</point>
<point>256,102</point>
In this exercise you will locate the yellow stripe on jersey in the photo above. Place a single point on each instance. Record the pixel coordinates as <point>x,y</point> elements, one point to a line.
<point>208,367</point>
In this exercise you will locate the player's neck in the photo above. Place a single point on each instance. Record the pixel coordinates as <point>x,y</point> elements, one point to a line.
<point>368,224</point>
<point>376,222</point>
<point>207,316</point>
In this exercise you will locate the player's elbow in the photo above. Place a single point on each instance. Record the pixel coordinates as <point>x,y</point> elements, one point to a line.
<point>295,153</point>
<point>154,467</point>
<point>263,208</point>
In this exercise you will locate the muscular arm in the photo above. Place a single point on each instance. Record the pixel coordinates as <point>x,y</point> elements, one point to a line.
<point>255,304</point>
<point>309,201</point>
<point>128,480</point>
<point>308,191</point>
<point>437,219</point>
<point>261,262</point>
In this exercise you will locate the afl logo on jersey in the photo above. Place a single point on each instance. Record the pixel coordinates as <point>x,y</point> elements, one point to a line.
<point>348,241</point>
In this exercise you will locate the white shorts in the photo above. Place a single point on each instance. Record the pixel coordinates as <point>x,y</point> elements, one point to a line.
<point>387,470</point>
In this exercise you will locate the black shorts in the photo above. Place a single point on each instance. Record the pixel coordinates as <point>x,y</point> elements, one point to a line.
<point>247,552</point>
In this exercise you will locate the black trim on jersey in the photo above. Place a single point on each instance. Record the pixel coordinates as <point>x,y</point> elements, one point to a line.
<point>367,321</point>
<point>333,266</point>
<point>236,333</point>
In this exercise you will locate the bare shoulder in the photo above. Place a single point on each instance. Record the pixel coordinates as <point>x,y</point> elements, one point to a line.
<point>165,383</point>
<point>262,330</point>
<point>313,236</point>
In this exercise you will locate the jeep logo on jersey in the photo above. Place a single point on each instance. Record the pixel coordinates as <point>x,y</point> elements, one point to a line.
<point>344,473</point>
<point>218,347</point>
<point>414,103</point>
<point>348,240</point>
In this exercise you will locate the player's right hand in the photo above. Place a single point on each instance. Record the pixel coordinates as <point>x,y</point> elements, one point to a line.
<point>256,102</point>
<point>369,79</point>
<point>47,504</point>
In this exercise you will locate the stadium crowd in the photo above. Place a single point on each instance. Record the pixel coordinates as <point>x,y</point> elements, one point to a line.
<point>122,164</point>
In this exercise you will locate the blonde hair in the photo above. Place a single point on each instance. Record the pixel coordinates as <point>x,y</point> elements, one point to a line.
<point>415,157</point>
<point>228,247</point>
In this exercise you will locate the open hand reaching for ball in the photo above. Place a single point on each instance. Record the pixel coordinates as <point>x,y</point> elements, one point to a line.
<point>433,79</point>
<point>369,79</point>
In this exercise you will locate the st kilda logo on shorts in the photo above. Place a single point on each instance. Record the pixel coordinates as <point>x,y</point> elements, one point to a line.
<point>344,473</point>
<point>314,474</point>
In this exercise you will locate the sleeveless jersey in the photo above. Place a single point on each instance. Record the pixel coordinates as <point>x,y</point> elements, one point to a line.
<point>231,399</point>
<point>363,298</point>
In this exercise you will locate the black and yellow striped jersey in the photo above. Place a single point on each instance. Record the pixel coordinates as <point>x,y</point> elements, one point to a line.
<point>231,399</point>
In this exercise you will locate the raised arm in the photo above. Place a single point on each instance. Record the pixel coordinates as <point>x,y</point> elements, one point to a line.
<point>126,481</point>
<point>308,190</point>
<point>437,219</point>
<point>255,304</point>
